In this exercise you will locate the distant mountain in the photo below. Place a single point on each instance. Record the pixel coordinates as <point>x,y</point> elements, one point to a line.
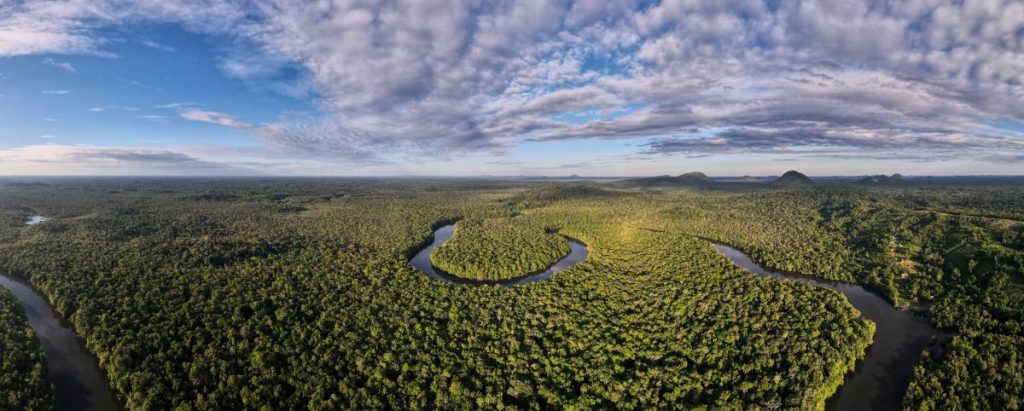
<point>693,179</point>
<point>792,179</point>
<point>881,179</point>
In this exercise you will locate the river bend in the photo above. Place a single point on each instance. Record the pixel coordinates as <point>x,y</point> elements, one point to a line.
<point>882,377</point>
<point>577,253</point>
<point>878,382</point>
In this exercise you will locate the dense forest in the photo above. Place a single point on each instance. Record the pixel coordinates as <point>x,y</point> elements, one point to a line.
<point>498,249</point>
<point>200,294</point>
<point>23,383</point>
<point>955,253</point>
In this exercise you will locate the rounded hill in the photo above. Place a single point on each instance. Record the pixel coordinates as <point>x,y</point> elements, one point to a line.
<point>792,179</point>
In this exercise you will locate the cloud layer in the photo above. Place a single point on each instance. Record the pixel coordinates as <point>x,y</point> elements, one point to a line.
<point>58,159</point>
<point>925,80</point>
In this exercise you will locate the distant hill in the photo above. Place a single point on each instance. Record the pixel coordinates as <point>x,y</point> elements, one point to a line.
<point>881,179</point>
<point>792,179</point>
<point>693,179</point>
<point>795,179</point>
<point>696,179</point>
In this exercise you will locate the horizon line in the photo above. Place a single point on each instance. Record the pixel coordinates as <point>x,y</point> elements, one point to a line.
<point>476,176</point>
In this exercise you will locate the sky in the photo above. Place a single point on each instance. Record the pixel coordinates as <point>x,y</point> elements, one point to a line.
<point>470,88</point>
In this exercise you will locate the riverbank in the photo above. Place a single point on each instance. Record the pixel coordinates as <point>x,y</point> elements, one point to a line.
<point>881,378</point>
<point>78,381</point>
<point>421,260</point>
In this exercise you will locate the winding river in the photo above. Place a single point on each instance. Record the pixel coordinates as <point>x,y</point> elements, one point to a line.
<point>882,377</point>
<point>577,253</point>
<point>878,383</point>
<point>879,380</point>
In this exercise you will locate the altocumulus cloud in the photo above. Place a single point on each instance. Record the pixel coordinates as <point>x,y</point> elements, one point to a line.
<point>922,78</point>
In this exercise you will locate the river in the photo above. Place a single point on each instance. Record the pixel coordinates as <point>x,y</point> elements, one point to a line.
<point>879,380</point>
<point>882,377</point>
<point>878,383</point>
<point>577,253</point>
<point>78,381</point>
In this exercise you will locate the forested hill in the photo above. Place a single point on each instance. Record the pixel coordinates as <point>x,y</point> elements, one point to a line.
<point>698,180</point>
<point>693,179</point>
<point>792,179</point>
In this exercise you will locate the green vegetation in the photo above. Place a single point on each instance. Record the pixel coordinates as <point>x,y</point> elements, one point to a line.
<point>23,384</point>
<point>981,373</point>
<point>498,249</point>
<point>961,260</point>
<point>298,293</point>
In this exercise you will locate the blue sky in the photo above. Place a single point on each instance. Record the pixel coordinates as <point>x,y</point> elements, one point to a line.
<point>439,87</point>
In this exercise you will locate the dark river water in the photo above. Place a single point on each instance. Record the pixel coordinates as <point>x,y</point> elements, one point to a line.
<point>77,379</point>
<point>881,379</point>
<point>577,253</point>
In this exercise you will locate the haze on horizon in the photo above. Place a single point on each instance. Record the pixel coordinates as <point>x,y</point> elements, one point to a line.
<point>433,87</point>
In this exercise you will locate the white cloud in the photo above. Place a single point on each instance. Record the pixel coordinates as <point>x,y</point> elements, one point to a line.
<point>65,27</point>
<point>63,65</point>
<point>154,45</point>
<point>446,77</point>
<point>152,117</point>
<point>64,159</point>
<point>56,92</point>
<point>214,117</point>
<point>61,159</point>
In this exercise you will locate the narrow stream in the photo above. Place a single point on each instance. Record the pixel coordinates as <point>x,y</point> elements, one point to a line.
<point>577,253</point>
<point>882,377</point>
